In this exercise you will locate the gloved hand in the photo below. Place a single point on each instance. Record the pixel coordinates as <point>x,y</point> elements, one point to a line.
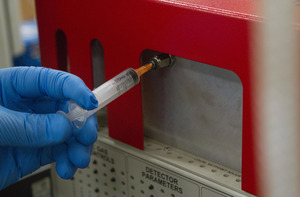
<point>31,133</point>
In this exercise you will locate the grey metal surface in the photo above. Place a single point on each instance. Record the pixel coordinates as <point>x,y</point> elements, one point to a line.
<point>197,108</point>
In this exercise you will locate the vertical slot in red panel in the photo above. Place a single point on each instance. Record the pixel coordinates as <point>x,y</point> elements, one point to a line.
<point>62,51</point>
<point>97,53</point>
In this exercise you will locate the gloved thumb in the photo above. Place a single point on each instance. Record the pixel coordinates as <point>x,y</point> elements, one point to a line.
<point>18,129</point>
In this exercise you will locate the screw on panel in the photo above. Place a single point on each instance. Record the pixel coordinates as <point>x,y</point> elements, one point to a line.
<point>226,175</point>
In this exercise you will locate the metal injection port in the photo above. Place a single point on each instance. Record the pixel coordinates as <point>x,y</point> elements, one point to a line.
<point>162,60</point>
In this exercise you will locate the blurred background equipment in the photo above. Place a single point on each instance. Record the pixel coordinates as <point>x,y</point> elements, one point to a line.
<point>10,37</point>
<point>18,34</point>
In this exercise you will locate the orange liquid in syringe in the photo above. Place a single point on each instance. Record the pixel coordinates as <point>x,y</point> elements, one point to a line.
<point>143,69</point>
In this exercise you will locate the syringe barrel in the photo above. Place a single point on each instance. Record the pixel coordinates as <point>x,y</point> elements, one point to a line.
<point>115,87</point>
<point>105,93</point>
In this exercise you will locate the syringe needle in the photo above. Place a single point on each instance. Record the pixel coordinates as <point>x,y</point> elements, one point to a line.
<point>143,69</point>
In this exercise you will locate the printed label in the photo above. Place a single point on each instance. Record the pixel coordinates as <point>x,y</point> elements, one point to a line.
<point>162,178</point>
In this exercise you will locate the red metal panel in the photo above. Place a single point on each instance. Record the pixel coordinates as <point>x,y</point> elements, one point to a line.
<point>212,32</point>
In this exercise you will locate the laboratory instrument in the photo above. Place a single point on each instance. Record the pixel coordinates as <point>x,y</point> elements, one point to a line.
<point>114,88</point>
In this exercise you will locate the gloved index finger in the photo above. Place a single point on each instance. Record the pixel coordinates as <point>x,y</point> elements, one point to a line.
<point>75,89</point>
<point>39,81</point>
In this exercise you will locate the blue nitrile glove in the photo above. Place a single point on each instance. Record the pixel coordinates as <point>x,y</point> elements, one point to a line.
<point>31,133</point>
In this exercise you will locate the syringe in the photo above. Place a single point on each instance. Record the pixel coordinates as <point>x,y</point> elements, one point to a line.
<point>114,88</point>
